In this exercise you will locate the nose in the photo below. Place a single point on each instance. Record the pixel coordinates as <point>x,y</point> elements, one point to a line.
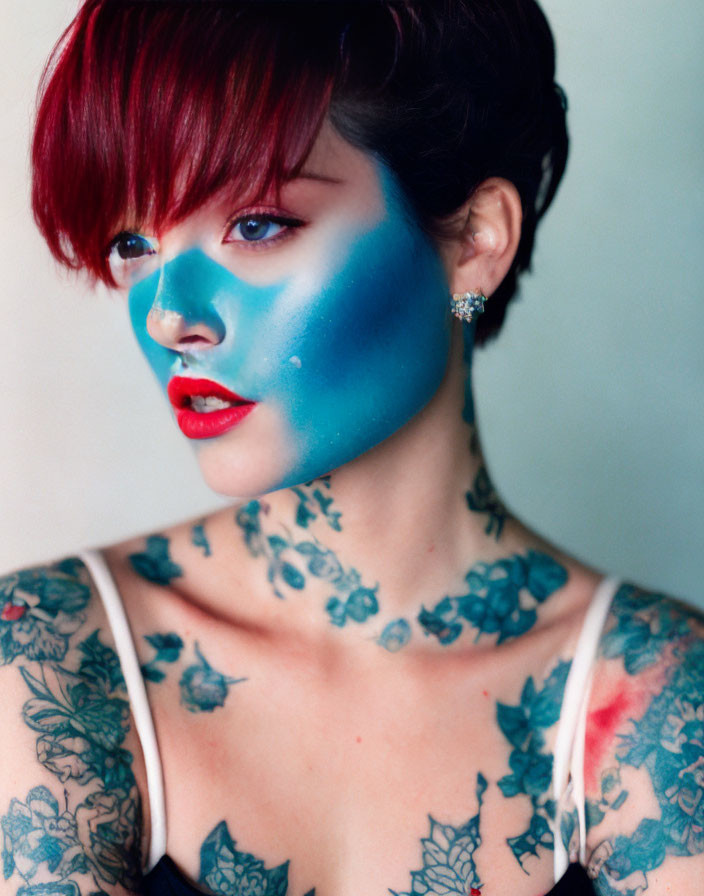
<point>182,316</point>
<point>172,329</point>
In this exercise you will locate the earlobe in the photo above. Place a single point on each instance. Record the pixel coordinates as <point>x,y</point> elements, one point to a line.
<point>487,245</point>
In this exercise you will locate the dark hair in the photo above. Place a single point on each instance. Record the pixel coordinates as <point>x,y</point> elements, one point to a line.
<point>149,107</point>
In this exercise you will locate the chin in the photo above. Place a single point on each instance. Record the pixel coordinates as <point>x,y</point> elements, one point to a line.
<point>250,478</point>
<point>240,485</point>
<point>250,460</point>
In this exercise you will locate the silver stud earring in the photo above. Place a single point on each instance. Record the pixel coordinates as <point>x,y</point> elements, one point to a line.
<point>467,305</point>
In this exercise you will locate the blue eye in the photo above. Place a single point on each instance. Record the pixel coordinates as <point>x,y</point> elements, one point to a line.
<point>126,255</point>
<point>256,229</point>
<point>259,228</point>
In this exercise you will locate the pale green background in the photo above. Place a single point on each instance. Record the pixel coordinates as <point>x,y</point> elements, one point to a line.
<point>590,403</point>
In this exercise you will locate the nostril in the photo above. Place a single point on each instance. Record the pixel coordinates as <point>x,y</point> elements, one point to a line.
<point>198,335</point>
<point>194,339</point>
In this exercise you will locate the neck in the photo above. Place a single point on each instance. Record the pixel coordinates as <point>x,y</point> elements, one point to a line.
<point>400,513</point>
<point>389,534</point>
<point>409,540</point>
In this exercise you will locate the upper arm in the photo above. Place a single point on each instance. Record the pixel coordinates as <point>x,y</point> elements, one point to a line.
<point>644,769</point>
<point>69,801</point>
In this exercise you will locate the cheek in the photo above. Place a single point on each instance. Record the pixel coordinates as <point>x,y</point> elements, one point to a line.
<point>371,346</point>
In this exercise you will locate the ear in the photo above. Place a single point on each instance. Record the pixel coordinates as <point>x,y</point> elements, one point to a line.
<point>480,255</point>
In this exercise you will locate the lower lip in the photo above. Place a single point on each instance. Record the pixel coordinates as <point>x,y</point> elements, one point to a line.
<point>211,424</point>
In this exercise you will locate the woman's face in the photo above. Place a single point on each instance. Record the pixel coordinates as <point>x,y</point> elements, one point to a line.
<point>327,315</point>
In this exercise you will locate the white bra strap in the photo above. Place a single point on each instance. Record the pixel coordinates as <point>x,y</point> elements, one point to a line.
<point>568,762</point>
<point>124,646</point>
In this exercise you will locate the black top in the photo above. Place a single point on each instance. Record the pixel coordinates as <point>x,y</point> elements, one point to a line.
<point>166,880</point>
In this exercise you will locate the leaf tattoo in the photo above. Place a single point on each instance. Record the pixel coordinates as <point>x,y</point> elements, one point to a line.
<point>449,865</point>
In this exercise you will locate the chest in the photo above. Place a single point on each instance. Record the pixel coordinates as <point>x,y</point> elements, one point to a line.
<point>304,777</point>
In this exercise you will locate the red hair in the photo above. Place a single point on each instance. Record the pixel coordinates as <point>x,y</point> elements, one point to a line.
<point>146,110</point>
<point>150,107</point>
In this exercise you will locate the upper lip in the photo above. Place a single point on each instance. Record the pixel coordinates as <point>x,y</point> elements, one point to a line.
<point>182,389</point>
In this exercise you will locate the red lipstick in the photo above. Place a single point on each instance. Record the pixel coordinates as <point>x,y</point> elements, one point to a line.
<point>205,409</point>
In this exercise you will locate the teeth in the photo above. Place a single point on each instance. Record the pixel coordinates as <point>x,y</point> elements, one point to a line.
<point>206,404</point>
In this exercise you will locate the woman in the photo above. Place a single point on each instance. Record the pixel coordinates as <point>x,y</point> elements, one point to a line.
<point>366,676</point>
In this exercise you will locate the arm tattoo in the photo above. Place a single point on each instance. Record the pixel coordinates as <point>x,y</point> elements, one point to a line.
<point>502,598</point>
<point>78,708</point>
<point>524,726</point>
<point>667,742</point>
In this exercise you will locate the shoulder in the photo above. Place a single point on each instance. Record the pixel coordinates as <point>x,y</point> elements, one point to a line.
<point>644,757</point>
<point>69,803</point>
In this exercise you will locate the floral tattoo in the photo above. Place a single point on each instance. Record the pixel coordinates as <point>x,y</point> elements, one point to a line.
<point>77,706</point>
<point>502,598</point>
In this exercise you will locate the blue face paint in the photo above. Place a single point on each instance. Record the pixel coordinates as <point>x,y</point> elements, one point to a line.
<point>343,356</point>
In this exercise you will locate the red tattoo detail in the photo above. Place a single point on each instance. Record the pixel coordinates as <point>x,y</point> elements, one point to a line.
<point>12,612</point>
<point>602,724</point>
<point>615,701</point>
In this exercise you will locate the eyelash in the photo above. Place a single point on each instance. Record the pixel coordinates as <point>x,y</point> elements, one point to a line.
<point>258,245</point>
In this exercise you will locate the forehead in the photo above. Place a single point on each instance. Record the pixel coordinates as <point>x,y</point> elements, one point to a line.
<point>350,172</point>
<point>331,154</point>
<point>337,183</point>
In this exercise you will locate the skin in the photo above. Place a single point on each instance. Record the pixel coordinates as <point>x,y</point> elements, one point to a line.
<point>318,347</point>
<point>345,185</point>
<point>356,686</point>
